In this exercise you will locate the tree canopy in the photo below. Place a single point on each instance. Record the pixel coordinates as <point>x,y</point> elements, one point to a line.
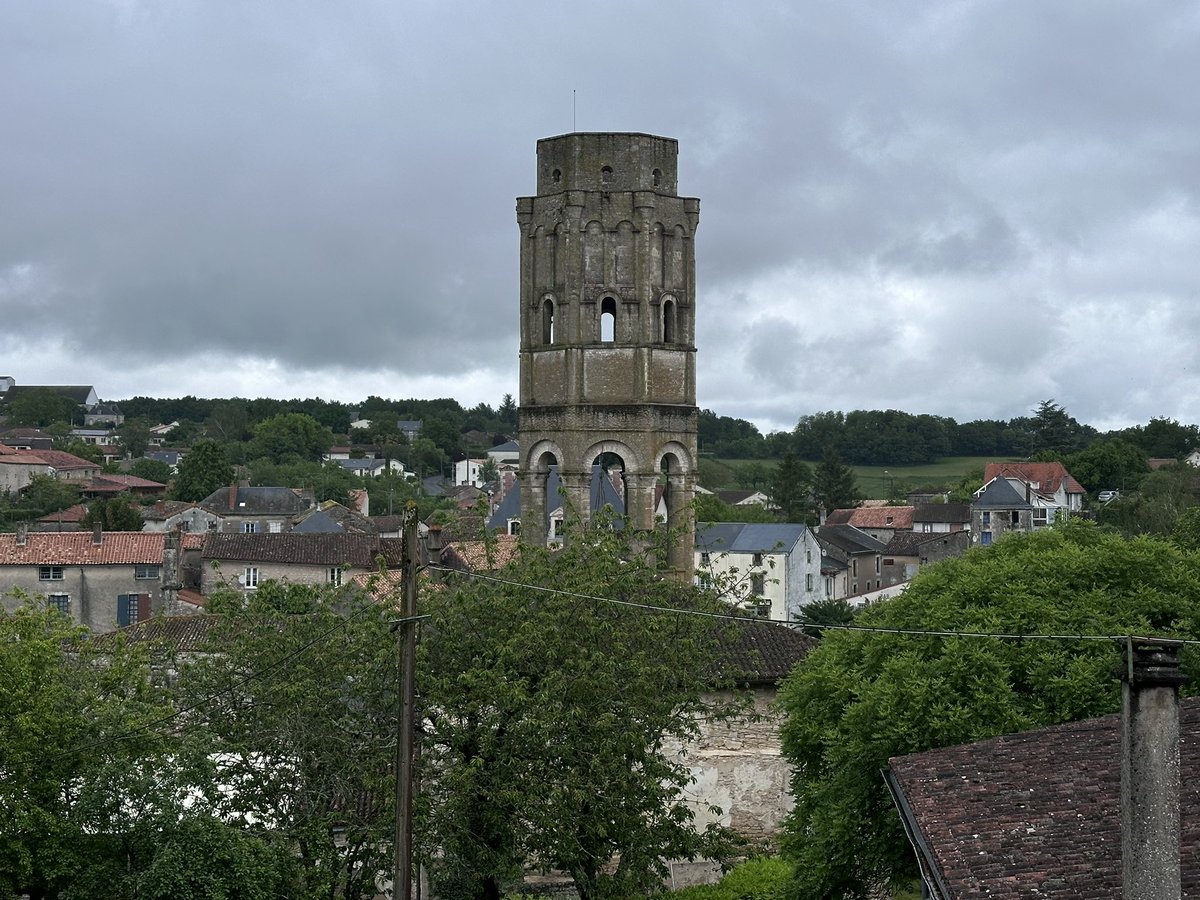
<point>549,717</point>
<point>204,469</point>
<point>863,697</point>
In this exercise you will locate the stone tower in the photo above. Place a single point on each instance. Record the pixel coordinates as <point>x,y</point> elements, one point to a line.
<point>608,316</point>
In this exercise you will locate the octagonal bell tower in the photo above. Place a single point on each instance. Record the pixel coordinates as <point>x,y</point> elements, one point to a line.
<point>608,312</point>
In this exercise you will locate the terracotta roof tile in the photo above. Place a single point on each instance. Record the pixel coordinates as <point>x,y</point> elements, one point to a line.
<point>73,514</point>
<point>1048,476</point>
<point>761,652</point>
<point>1017,815</point>
<point>77,549</point>
<point>472,556</point>
<point>901,517</point>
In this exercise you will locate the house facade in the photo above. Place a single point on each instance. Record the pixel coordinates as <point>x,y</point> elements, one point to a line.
<point>861,554</point>
<point>909,552</point>
<point>772,570</point>
<point>1046,485</point>
<point>245,561</point>
<point>1000,509</point>
<point>241,509</point>
<point>104,580</point>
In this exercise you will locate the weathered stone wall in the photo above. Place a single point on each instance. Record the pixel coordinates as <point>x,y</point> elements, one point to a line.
<point>607,307</point>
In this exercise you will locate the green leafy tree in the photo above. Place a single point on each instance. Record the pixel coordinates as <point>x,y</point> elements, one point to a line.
<point>1186,532</point>
<point>861,697</point>
<point>489,471</point>
<point>291,435</point>
<point>834,485</point>
<point>82,449</point>
<point>45,494</point>
<point>507,413</point>
<point>309,741</point>
<point>709,508</point>
<point>41,407</point>
<point>1106,464</point>
<point>1053,429</point>
<point>547,732</point>
<point>1162,497</point>
<point>133,436</point>
<point>151,470</point>
<point>229,422</point>
<point>827,611</point>
<point>204,469</point>
<point>114,514</point>
<point>791,489</point>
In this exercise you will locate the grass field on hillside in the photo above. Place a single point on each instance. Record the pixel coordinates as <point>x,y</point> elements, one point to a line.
<point>875,482</point>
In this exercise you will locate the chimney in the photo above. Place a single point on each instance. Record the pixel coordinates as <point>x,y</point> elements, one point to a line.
<point>22,534</point>
<point>233,489</point>
<point>1150,769</point>
<point>170,581</point>
<point>433,542</point>
<point>97,534</point>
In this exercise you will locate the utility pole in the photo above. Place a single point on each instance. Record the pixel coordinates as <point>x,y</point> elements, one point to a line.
<point>410,562</point>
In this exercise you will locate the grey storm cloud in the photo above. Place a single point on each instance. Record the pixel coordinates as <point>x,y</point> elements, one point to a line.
<point>955,208</point>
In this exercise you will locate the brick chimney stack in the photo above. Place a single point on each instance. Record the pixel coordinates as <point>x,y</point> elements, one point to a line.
<point>1150,770</point>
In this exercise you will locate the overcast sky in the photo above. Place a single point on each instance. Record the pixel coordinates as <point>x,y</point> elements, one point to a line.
<point>958,208</point>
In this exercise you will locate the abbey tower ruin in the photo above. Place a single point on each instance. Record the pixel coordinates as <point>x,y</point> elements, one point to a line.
<point>608,355</point>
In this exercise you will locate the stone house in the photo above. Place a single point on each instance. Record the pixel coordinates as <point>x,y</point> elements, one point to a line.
<point>997,510</point>
<point>245,561</point>
<point>775,569</point>
<point>1047,486</point>
<point>103,580</point>
<point>737,764</point>
<point>181,515</point>
<point>910,551</point>
<point>242,509</point>
<point>933,518</point>
<point>17,468</point>
<point>880,522</point>
<point>859,552</point>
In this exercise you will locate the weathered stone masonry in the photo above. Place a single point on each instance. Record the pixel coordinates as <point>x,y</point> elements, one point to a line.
<point>608,356</point>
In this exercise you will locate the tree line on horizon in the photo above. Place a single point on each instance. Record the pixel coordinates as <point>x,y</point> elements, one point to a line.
<point>892,437</point>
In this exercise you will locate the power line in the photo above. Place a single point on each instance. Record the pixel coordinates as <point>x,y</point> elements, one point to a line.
<point>869,629</point>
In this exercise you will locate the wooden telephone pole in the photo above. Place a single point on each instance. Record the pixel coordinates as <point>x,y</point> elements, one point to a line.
<point>410,563</point>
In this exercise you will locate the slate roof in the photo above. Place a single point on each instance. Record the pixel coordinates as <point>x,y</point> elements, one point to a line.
<point>950,513</point>
<point>1001,493</point>
<point>251,501</point>
<point>839,517</point>
<point>848,539</point>
<point>80,393</point>
<point>332,517</point>
<point>760,652</point>
<point>357,550</point>
<point>1035,814</point>
<point>76,548</point>
<point>603,493</point>
<point>908,543</point>
<point>1047,476</point>
<point>742,537</point>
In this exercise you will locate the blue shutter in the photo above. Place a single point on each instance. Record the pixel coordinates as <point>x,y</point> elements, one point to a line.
<point>126,611</point>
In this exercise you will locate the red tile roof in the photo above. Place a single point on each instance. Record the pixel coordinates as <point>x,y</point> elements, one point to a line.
<point>877,517</point>
<point>190,541</point>
<point>128,481</point>
<point>1037,813</point>
<point>76,548</point>
<point>1046,477</point>
<point>70,514</point>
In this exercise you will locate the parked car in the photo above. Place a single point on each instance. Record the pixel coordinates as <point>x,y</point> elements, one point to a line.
<point>1106,496</point>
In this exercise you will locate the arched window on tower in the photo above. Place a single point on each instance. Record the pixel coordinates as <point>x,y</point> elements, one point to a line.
<point>606,174</point>
<point>668,322</point>
<point>656,176</point>
<point>608,320</point>
<point>547,321</point>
